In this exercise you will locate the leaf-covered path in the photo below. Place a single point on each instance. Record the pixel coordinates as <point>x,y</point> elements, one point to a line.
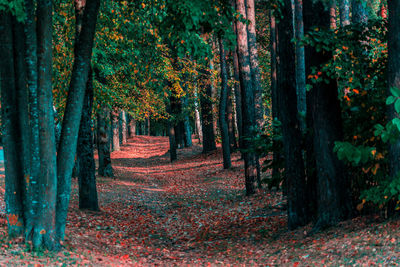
<point>192,212</point>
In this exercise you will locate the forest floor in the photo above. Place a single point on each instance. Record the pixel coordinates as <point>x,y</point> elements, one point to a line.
<point>192,212</point>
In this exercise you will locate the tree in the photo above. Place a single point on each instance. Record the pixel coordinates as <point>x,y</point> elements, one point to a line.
<point>104,142</point>
<point>115,129</point>
<point>344,12</point>
<point>359,12</point>
<point>286,89</point>
<point>332,182</point>
<point>393,71</point>
<point>248,110</point>
<point>222,107</point>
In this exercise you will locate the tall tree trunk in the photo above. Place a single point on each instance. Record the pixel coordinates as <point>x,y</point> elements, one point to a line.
<point>231,121</point>
<point>44,231</point>
<point>197,118</point>
<point>85,155</point>
<point>248,112</point>
<point>115,130</point>
<point>238,95</point>
<point>255,68</point>
<point>344,11</point>
<point>87,172</point>
<point>300,64</point>
<point>286,85</point>
<point>393,78</point>
<point>171,130</point>
<point>359,12</point>
<point>73,113</point>
<point>333,195</point>
<point>223,125</point>
<point>10,130</point>
<point>103,143</point>
<point>207,112</point>
<point>188,129</point>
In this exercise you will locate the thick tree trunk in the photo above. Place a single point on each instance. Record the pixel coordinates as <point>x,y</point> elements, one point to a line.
<point>73,113</point>
<point>223,125</point>
<point>393,78</point>
<point>44,231</point>
<point>286,85</point>
<point>248,112</point>
<point>344,11</point>
<point>115,130</point>
<point>207,113</point>
<point>11,131</point>
<point>87,172</point>
<point>333,184</point>
<point>359,12</point>
<point>103,143</point>
<point>300,64</point>
<point>131,127</point>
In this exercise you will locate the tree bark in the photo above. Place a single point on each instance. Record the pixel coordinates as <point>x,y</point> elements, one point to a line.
<point>188,129</point>
<point>393,78</point>
<point>73,113</point>
<point>87,174</point>
<point>206,112</point>
<point>333,196</point>
<point>359,12</point>
<point>238,95</point>
<point>248,111</point>
<point>123,128</point>
<point>254,64</point>
<point>222,108</point>
<point>103,143</point>
<point>197,118</point>
<point>286,85</point>
<point>231,121</point>
<point>115,130</point>
<point>344,11</point>
<point>332,13</point>
<point>131,127</point>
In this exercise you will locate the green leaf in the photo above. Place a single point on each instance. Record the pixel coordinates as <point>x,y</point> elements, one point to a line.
<point>390,100</point>
<point>395,91</point>
<point>397,106</point>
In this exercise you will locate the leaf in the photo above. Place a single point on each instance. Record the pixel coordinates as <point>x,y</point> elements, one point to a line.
<point>390,100</point>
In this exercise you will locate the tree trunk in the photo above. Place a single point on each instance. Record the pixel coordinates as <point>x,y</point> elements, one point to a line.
<point>131,127</point>
<point>332,13</point>
<point>171,131</point>
<point>87,174</point>
<point>73,113</point>
<point>103,143</point>
<point>231,121</point>
<point>333,196</point>
<point>44,231</point>
<point>115,130</point>
<point>207,112</point>
<point>123,128</point>
<point>393,78</point>
<point>188,129</point>
<point>223,125</point>
<point>197,118</point>
<point>300,65</point>
<point>255,68</point>
<point>248,112</point>
<point>344,11</point>
<point>11,131</point>
<point>359,12</point>
<point>238,95</point>
<point>286,85</point>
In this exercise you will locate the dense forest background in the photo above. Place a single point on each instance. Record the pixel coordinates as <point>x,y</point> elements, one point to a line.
<point>308,92</point>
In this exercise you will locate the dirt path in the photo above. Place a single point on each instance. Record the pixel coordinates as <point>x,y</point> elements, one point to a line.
<point>157,213</point>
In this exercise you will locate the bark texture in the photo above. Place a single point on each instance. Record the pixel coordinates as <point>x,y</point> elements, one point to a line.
<point>104,143</point>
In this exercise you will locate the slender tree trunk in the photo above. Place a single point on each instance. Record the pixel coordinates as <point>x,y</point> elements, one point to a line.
<point>206,113</point>
<point>148,124</point>
<point>359,12</point>
<point>393,78</point>
<point>238,96</point>
<point>231,121</point>
<point>171,131</point>
<point>115,130</point>
<point>248,111</point>
<point>286,85</point>
<point>222,108</point>
<point>300,64</point>
<point>344,11</point>
<point>333,195</point>
<point>131,127</point>
<point>197,118</point>
<point>124,129</point>
<point>188,129</point>
<point>255,68</point>
<point>87,173</point>
<point>73,113</point>
<point>103,143</point>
